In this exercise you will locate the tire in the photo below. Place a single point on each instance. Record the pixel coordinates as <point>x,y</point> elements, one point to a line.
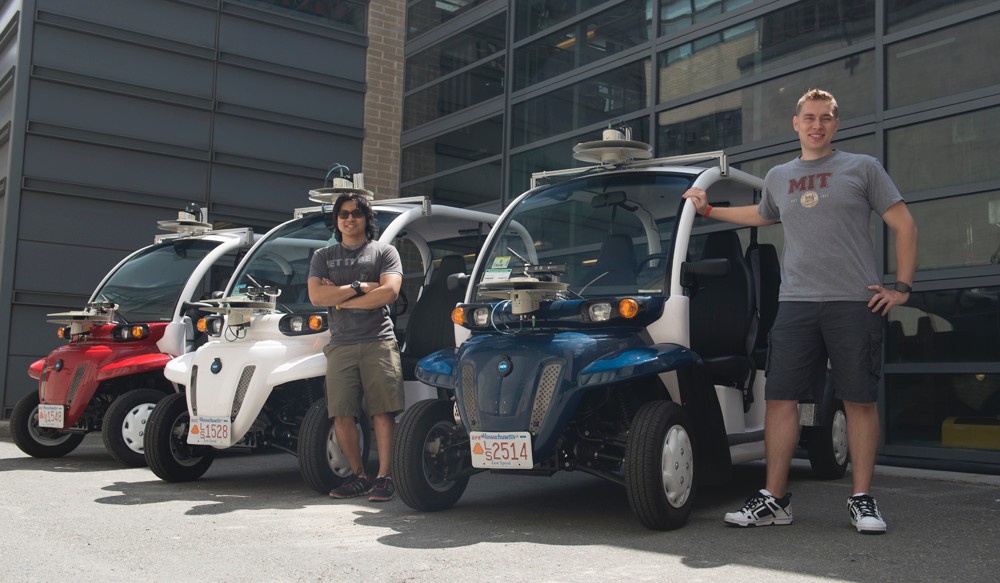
<point>660,466</point>
<point>321,462</point>
<point>425,461</point>
<point>41,442</point>
<point>827,444</point>
<point>125,424</point>
<point>167,450</point>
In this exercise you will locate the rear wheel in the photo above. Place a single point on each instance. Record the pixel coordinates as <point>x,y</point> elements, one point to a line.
<point>125,425</point>
<point>659,466</point>
<point>827,444</point>
<point>321,462</point>
<point>167,451</point>
<point>428,460</point>
<point>36,441</point>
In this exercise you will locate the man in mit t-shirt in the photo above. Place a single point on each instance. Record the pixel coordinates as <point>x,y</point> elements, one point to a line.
<point>831,304</point>
<point>356,280</point>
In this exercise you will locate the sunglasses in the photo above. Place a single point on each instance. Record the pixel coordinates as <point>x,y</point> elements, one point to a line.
<point>356,213</point>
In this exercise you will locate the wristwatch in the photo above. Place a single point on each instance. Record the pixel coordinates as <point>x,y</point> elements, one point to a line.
<point>356,286</point>
<point>903,288</point>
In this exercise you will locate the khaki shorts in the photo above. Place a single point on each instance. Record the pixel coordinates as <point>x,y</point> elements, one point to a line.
<point>370,372</point>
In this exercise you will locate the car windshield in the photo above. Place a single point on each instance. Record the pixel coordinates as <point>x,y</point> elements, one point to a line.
<point>148,286</point>
<point>281,260</point>
<point>606,234</point>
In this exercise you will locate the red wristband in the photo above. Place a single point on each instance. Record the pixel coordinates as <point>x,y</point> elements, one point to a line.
<point>708,210</point>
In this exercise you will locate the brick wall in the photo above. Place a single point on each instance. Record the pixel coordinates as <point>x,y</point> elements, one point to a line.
<point>384,98</point>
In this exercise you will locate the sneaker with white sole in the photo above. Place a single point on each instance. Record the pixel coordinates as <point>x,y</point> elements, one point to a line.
<point>865,515</point>
<point>762,509</point>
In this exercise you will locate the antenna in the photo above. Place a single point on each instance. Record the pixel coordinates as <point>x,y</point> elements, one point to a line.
<point>189,221</point>
<point>616,146</point>
<point>344,183</point>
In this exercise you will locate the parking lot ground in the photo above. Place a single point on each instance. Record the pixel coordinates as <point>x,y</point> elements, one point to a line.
<point>250,518</point>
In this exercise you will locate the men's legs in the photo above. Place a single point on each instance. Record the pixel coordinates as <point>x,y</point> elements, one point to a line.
<point>346,430</point>
<point>862,442</point>
<point>781,434</point>
<point>385,428</point>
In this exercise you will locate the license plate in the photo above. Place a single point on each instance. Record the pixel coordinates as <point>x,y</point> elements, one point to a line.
<point>501,450</point>
<point>51,416</point>
<point>210,431</point>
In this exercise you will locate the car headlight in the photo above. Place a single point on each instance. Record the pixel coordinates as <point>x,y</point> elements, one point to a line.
<point>130,332</point>
<point>298,324</point>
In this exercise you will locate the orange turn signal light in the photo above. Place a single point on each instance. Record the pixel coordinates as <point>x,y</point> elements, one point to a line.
<point>628,308</point>
<point>458,316</point>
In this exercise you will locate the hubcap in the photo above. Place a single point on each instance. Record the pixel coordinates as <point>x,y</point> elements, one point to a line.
<point>839,436</point>
<point>335,457</point>
<point>179,447</point>
<point>134,426</point>
<point>433,462</point>
<point>677,466</point>
<point>44,435</point>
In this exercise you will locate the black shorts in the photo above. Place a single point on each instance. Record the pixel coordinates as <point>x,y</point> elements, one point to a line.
<point>806,335</point>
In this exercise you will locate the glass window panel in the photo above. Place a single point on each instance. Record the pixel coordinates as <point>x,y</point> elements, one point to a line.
<point>783,37</point>
<point>945,152</point>
<point>607,96</point>
<point>622,27</point>
<point>537,15</point>
<point>453,53</point>
<point>677,15</point>
<point>559,155</point>
<point>764,111</point>
<point>961,231</point>
<point>943,410</point>
<point>424,15</point>
<point>462,146</point>
<point>944,62</point>
<point>956,325</point>
<point>454,94</point>
<point>477,187</point>
<point>903,13</point>
<point>343,13</point>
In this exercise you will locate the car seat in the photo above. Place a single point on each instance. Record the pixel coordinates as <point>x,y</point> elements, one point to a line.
<point>616,264</point>
<point>429,327</point>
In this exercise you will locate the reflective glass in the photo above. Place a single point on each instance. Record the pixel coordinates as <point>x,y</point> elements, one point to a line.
<point>956,325</point>
<point>943,410</point>
<point>607,96</point>
<point>764,111</point>
<point>424,15</point>
<point>455,52</point>
<point>961,231</point>
<point>454,94</point>
<point>558,155</point>
<point>462,146</point>
<point>622,27</point>
<point>784,37</point>
<point>903,13</point>
<point>940,63</point>
<point>537,15</point>
<point>955,150</point>
<point>476,187</point>
<point>677,15</point>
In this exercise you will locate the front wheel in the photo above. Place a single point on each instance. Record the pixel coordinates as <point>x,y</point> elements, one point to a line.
<point>125,424</point>
<point>36,441</point>
<point>321,462</point>
<point>167,451</point>
<point>827,444</point>
<point>430,456</point>
<point>659,466</point>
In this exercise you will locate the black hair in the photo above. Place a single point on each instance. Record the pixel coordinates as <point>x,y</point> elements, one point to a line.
<point>362,203</point>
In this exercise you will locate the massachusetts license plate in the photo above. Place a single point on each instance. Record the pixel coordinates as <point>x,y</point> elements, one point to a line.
<point>210,431</point>
<point>501,450</point>
<point>51,416</point>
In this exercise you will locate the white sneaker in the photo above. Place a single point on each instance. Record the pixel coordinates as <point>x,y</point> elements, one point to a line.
<point>762,509</point>
<point>865,515</point>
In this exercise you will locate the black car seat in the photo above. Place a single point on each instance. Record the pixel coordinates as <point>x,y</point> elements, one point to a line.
<point>768,281</point>
<point>616,264</point>
<point>429,327</point>
<point>722,310</point>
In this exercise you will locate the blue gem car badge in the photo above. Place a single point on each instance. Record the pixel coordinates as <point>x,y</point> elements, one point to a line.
<point>59,365</point>
<point>216,366</point>
<point>504,366</point>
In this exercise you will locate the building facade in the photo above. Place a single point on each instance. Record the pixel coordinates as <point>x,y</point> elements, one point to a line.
<point>498,89</point>
<point>119,113</point>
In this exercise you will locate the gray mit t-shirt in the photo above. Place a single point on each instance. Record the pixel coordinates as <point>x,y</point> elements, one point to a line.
<point>342,265</point>
<point>825,208</point>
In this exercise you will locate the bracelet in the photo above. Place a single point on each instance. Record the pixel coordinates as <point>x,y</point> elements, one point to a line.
<point>708,210</point>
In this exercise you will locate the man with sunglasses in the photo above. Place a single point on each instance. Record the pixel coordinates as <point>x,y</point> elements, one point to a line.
<point>356,280</point>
